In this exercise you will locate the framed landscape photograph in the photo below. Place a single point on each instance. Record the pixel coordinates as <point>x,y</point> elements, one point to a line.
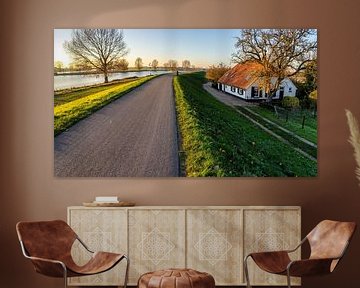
<point>185,103</point>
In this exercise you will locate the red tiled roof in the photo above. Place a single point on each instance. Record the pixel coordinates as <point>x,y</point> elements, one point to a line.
<point>241,75</point>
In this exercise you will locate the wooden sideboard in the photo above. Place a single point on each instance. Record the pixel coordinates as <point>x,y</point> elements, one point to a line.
<point>212,239</point>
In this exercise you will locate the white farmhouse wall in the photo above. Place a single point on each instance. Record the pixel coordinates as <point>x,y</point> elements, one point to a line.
<point>227,89</point>
<point>289,90</point>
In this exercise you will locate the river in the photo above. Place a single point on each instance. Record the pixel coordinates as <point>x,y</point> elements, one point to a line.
<point>70,81</point>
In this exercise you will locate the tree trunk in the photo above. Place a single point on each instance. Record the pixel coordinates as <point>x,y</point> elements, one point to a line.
<point>272,93</point>
<point>106,77</point>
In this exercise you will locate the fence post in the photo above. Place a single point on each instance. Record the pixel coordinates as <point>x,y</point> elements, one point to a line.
<point>303,122</point>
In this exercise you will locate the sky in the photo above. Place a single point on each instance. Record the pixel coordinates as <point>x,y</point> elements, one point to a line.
<point>202,47</point>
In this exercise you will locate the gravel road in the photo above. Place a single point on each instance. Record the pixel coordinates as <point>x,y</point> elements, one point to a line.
<point>134,136</point>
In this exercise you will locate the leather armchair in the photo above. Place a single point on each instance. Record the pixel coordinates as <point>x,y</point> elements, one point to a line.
<point>328,243</point>
<point>48,245</point>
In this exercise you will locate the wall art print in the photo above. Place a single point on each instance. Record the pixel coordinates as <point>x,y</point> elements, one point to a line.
<point>185,102</point>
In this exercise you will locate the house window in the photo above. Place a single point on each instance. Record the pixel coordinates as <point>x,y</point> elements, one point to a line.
<point>233,89</point>
<point>254,91</point>
<point>240,91</point>
<point>290,89</point>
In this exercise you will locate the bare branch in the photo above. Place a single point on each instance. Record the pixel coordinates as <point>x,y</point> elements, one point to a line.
<point>102,49</point>
<point>281,52</point>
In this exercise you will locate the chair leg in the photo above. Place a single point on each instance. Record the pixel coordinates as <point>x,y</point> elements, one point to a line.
<point>127,271</point>
<point>65,276</point>
<point>288,279</point>
<point>246,270</point>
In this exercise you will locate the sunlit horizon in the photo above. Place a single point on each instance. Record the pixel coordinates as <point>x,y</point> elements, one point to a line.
<point>202,47</point>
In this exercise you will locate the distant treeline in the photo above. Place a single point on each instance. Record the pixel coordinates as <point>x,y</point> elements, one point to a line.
<point>67,71</point>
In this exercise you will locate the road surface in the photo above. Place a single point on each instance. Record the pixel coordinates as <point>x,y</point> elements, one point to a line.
<point>134,136</point>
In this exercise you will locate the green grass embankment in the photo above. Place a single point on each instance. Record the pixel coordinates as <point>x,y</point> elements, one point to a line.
<point>67,95</point>
<point>86,101</point>
<point>296,142</point>
<point>218,141</point>
<point>309,132</point>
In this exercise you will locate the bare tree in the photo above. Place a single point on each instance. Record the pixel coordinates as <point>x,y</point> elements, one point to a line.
<point>121,64</point>
<point>154,64</point>
<point>138,63</point>
<point>281,53</point>
<point>171,65</point>
<point>186,65</point>
<point>97,47</point>
<point>80,65</point>
<point>58,66</point>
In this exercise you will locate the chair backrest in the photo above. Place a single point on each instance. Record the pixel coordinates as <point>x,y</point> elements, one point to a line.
<point>46,239</point>
<point>329,239</point>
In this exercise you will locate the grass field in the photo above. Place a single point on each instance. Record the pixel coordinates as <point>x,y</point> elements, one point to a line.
<point>81,103</point>
<point>293,140</point>
<point>309,132</point>
<point>67,95</point>
<point>218,141</point>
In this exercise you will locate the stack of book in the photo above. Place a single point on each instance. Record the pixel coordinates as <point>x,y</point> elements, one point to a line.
<point>106,199</point>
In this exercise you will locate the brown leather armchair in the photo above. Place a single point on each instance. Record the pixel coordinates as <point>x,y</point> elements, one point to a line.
<point>48,245</point>
<point>328,242</point>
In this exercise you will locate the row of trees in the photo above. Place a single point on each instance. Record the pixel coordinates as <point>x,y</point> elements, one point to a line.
<point>170,65</point>
<point>104,51</point>
<point>122,65</point>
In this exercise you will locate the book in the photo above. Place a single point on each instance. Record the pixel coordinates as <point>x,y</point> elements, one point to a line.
<point>107,199</point>
<point>105,202</point>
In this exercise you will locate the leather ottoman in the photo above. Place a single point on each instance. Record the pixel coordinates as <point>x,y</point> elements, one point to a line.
<point>176,278</point>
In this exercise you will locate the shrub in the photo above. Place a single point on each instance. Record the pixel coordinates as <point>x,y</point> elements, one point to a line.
<point>290,102</point>
<point>313,99</point>
<point>313,95</point>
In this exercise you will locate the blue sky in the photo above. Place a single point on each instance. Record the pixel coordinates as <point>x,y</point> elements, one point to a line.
<point>203,47</point>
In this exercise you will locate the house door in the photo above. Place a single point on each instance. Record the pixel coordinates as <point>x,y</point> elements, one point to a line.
<point>254,92</point>
<point>281,95</point>
<point>220,86</point>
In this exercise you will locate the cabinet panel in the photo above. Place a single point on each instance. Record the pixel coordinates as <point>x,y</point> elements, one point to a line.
<point>214,244</point>
<point>156,240</point>
<point>101,230</point>
<point>269,230</point>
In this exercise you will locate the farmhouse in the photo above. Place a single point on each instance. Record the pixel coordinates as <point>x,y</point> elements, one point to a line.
<point>242,81</point>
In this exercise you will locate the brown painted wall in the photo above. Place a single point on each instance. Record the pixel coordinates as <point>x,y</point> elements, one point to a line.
<point>30,192</point>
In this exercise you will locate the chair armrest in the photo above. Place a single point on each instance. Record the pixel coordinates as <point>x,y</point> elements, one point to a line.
<point>49,267</point>
<point>83,244</point>
<point>298,246</point>
<point>267,253</point>
<point>309,267</point>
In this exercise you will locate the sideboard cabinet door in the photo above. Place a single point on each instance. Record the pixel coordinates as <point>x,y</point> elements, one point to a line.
<point>270,230</point>
<point>214,244</point>
<point>156,240</point>
<point>101,230</point>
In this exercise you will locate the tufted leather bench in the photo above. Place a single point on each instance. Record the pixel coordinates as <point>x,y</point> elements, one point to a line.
<point>176,278</point>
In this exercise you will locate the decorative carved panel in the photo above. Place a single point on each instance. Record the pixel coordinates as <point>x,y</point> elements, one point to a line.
<point>156,240</point>
<point>270,230</point>
<point>101,230</point>
<point>214,241</point>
